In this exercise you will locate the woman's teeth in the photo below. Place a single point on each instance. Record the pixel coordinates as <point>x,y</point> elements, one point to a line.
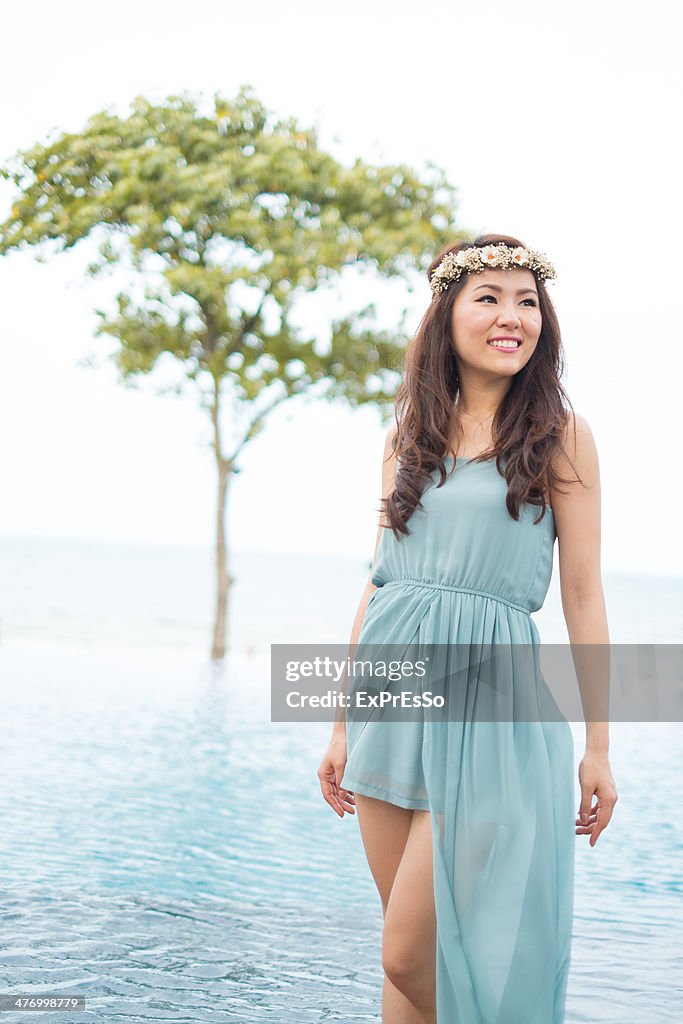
<point>503,344</point>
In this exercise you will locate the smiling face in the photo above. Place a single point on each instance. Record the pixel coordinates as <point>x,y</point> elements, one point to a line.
<point>495,304</point>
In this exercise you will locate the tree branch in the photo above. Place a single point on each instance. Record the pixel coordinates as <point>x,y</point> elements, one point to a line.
<point>257,423</point>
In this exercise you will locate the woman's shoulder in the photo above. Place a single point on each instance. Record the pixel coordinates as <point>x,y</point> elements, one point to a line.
<point>577,436</point>
<point>577,453</point>
<point>389,440</point>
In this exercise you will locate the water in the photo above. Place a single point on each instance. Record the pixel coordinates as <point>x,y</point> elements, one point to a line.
<point>165,850</point>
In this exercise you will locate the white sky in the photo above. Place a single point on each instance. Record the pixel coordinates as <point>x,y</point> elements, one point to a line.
<point>557,122</point>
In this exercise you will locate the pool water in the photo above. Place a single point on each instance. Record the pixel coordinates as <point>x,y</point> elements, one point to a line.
<point>166,853</point>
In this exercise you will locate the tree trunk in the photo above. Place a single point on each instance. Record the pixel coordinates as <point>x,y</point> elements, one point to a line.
<point>224,467</point>
<point>222,575</point>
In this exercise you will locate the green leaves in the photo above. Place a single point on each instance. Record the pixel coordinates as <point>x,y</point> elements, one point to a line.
<point>228,215</point>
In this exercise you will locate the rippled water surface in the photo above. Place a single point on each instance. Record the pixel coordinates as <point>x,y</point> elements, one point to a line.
<point>165,851</point>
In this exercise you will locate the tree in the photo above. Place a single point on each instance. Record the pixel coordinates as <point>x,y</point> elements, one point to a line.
<point>224,217</point>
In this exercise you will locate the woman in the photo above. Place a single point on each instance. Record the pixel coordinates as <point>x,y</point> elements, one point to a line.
<point>468,826</point>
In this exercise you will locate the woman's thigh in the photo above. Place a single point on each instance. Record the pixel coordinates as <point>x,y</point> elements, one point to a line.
<point>409,943</point>
<point>384,829</point>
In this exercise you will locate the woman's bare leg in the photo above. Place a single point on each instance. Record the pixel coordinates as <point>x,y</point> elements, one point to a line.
<point>385,829</point>
<point>409,944</point>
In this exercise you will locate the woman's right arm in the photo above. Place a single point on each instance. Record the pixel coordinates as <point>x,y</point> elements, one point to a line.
<point>334,761</point>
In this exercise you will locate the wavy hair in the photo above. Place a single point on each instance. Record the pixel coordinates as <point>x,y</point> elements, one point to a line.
<point>529,424</point>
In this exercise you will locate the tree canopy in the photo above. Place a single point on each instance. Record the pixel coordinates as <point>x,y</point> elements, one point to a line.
<point>231,215</point>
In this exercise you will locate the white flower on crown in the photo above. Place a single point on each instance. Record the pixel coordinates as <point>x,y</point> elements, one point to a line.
<point>520,256</point>
<point>491,256</point>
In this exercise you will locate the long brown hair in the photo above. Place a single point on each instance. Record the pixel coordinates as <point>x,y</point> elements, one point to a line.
<point>529,424</point>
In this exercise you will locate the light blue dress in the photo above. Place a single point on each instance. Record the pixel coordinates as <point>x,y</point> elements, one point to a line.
<point>500,791</point>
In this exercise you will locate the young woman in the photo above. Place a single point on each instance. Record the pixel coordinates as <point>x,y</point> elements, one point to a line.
<point>469,826</point>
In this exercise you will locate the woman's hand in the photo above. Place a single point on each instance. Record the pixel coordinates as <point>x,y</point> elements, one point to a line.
<point>595,778</point>
<point>330,775</point>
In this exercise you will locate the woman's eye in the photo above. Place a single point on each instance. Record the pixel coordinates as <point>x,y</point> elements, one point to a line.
<point>532,301</point>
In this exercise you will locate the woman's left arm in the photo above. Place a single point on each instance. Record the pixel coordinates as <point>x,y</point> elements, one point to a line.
<point>577,510</point>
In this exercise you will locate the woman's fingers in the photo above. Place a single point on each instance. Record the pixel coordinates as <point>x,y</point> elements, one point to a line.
<point>596,783</point>
<point>348,800</point>
<point>333,800</point>
<point>597,820</point>
<point>340,800</point>
<point>586,827</point>
<point>604,815</point>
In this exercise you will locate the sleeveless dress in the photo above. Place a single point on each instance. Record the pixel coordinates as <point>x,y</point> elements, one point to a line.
<point>500,791</point>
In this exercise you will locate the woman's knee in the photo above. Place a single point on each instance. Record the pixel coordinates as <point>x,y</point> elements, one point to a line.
<point>408,963</point>
<point>401,959</point>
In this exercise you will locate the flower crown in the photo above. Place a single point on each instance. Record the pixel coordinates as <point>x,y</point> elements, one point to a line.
<point>476,259</point>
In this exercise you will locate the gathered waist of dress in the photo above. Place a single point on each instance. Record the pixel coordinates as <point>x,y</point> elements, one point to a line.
<point>432,585</point>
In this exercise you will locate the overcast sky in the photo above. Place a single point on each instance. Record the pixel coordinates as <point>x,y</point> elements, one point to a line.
<point>558,123</point>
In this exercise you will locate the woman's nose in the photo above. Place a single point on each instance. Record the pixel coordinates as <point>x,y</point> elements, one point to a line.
<point>507,316</point>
